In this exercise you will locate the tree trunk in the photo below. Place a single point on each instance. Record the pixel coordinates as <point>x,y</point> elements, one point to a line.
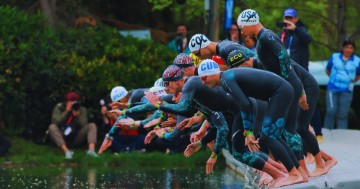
<point>341,22</point>
<point>48,8</point>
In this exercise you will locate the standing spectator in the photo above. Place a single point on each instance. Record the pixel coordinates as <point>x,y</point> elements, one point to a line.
<point>69,125</point>
<point>343,69</point>
<point>180,43</point>
<point>234,34</point>
<point>296,38</point>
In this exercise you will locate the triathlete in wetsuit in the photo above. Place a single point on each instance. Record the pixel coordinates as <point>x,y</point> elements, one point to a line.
<point>242,83</point>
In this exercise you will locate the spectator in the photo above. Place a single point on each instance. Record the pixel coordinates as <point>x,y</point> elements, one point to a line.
<point>234,34</point>
<point>343,69</point>
<point>180,43</point>
<point>296,38</point>
<point>126,140</point>
<point>70,126</point>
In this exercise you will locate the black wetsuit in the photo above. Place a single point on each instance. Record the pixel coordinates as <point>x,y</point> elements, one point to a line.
<point>242,83</point>
<point>224,48</point>
<point>312,90</point>
<point>221,111</point>
<point>274,57</point>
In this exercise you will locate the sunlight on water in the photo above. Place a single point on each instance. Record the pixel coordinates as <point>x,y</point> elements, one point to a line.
<point>110,177</point>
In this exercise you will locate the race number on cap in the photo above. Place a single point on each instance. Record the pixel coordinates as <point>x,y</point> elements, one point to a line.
<point>236,58</point>
<point>198,41</point>
<point>248,17</point>
<point>183,60</point>
<point>208,67</point>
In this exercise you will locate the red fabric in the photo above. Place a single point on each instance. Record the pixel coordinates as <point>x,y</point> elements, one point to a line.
<point>218,60</point>
<point>72,96</point>
<point>129,132</point>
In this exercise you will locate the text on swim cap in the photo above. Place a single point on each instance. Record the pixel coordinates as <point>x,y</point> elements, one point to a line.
<point>247,15</point>
<point>197,41</point>
<point>233,58</point>
<point>208,66</point>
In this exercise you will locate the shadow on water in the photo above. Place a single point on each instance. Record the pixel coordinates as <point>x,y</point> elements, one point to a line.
<point>112,177</point>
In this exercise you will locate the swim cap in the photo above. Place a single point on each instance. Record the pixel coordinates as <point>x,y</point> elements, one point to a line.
<point>159,83</point>
<point>198,41</point>
<point>118,93</point>
<point>183,60</point>
<point>248,17</point>
<point>172,73</point>
<point>236,58</point>
<point>218,60</point>
<point>158,91</point>
<point>208,67</point>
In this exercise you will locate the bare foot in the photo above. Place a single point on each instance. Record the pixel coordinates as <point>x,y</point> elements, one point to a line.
<point>319,171</point>
<point>284,181</point>
<point>330,163</point>
<point>265,179</point>
<point>309,159</point>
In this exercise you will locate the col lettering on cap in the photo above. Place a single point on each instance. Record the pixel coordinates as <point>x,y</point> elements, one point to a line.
<point>118,93</point>
<point>198,41</point>
<point>236,58</point>
<point>183,60</point>
<point>248,17</point>
<point>208,67</point>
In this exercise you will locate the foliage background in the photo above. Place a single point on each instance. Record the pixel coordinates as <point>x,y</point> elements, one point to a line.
<point>39,65</point>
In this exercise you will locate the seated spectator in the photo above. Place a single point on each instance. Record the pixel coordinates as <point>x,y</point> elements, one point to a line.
<point>70,126</point>
<point>180,43</point>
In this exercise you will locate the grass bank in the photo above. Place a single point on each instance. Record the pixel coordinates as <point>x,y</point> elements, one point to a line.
<point>26,153</point>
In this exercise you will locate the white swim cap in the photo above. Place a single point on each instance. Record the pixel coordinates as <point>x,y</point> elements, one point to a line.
<point>198,41</point>
<point>208,67</point>
<point>159,83</point>
<point>248,17</point>
<point>158,91</point>
<point>118,93</point>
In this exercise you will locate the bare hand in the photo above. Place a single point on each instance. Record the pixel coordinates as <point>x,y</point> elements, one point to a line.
<point>105,145</point>
<point>117,112</point>
<point>210,165</point>
<point>152,123</point>
<point>189,122</point>
<point>152,98</point>
<point>252,143</point>
<point>126,123</point>
<point>192,149</point>
<point>289,25</point>
<point>116,105</point>
<point>159,132</point>
<point>151,135</point>
<point>303,102</point>
<point>170,122</point>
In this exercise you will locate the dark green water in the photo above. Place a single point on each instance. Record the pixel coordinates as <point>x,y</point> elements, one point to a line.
<point>113,177</point>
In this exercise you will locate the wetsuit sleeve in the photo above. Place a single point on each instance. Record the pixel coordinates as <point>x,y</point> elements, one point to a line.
<point>280,52</point>
<point>209,136</point>
<point>217,120</point>
<point>140,109</point>
<point>114,129</point>
<point>303,34</point>
<point>155,115</point>
<point>231,86</point>
<point>135,104</point>
<point>176,133</point>
<point>185,105</point>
